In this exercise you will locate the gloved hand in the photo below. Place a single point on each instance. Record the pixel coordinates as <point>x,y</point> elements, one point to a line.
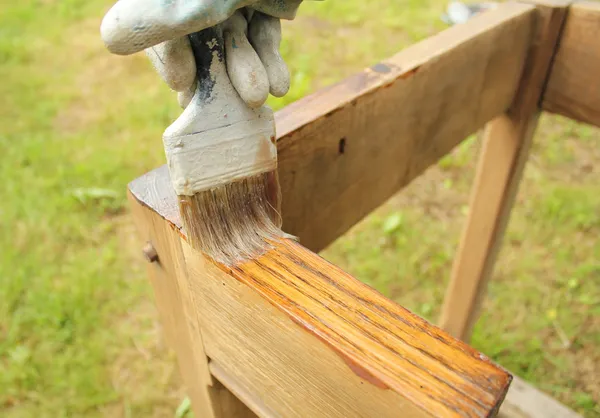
<point>251,32</point>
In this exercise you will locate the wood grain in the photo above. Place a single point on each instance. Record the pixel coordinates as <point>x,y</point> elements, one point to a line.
<point>312,341</point>
<point>307,339</point>
<point>574,86</point>
<point>395,120</point>
<point>177,311</point>
<point>507,141</point>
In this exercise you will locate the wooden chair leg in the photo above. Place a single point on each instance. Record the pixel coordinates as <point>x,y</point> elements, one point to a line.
<point>507,141</point>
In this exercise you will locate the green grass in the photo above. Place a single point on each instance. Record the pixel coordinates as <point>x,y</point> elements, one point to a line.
<point>78,331</point>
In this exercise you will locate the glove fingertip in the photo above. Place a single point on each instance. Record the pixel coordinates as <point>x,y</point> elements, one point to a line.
<point>174,62</point>
<point>245,70</point>
<point>185,97</point>
<point>265,36</point>
<point>110,33</point>
<point>279,80</point>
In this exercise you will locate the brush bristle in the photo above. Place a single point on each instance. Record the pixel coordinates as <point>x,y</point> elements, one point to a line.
<point>236,221</point>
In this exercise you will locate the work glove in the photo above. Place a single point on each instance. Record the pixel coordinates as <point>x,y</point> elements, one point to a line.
<point>251,32</point>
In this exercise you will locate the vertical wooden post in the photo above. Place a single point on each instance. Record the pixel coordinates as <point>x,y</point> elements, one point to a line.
<point>507,141</point>
<point>167,272</point>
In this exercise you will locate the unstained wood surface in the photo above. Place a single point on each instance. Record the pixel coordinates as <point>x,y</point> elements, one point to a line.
<point>395,120</point>
<point>506,145</point>
<point>525,401</point>
<point>574,86</point>
<point>177,311</point>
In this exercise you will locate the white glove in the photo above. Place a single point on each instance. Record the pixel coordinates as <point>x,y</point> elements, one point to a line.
<point>251,32</point>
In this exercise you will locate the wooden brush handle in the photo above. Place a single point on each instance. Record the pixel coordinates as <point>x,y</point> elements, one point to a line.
<point>252,68</point>
<point>209,53</point>
<point>218,138</point>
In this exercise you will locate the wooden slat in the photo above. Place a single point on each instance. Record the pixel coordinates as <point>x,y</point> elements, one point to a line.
<point>574,86</point>
<point>507,141</point>
<point>525,401</point>
<point>344,150</point>
<point>178,316</point>
<point>253,402</point>
<point>308,340</point>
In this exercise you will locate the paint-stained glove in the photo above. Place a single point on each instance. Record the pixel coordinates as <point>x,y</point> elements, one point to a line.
<point>251,31</point>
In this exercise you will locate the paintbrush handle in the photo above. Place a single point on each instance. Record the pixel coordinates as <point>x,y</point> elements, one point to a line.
<point>209,53</point>
<point>218,138</point>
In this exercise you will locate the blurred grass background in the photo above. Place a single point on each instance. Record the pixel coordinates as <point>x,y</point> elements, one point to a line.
<point>79,334</point>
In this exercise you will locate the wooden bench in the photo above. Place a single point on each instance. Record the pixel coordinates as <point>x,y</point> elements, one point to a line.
<point>291,335</point>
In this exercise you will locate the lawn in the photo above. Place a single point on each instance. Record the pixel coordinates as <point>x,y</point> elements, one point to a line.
<point>79,334</point>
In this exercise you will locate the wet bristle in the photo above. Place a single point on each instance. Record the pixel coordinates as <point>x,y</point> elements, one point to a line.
<point>234,222</point>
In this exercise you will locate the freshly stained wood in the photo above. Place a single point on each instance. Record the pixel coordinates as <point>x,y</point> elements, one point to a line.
<point>507,141</point>
<point>574,86</point>
<point>309,340</point>
<point>178,314</point>
<point>345,149</point>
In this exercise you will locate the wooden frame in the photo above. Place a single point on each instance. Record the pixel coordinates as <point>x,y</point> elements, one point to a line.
<point>506,143</point>
<point>381,128</point>
<point>289,334</point>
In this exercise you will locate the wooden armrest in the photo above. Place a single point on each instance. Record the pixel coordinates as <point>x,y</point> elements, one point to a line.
<point>304,337</point>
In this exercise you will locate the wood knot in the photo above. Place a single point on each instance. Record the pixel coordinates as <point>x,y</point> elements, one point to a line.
<point>150,252</point>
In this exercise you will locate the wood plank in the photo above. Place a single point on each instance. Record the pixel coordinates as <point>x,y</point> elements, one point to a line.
<point>180,325</point>
<point>574,86</point>
<point>249,399</point>
<point>309,340</point>
<point>313,342</point>
<point>507,141</point>
<point>525,401</point>
<point>346,149</point>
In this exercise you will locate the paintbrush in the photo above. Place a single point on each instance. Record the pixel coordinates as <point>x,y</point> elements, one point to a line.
<point>222,156</point>
<point>221,151</point>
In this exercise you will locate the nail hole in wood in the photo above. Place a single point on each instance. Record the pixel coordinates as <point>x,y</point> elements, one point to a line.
<point>342,146</point>
<point>150,253</point>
